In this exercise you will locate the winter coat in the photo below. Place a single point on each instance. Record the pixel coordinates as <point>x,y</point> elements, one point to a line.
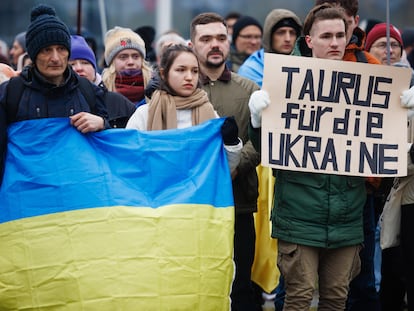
<point>41,99</point>
<point>318,210</point>
<point>230,96</point>
<point>253,67</point>
<point>355,46</point>
<point>235,59</point>
<point>313,209</point>
<point>407,196</point>
<point>139,121</point>
<point>120,108</point>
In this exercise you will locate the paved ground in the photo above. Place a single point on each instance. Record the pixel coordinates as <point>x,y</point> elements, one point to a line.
<point>270,306</point>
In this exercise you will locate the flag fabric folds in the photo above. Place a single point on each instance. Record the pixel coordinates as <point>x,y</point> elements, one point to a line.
<point>115,220</point>
<point>265,272</point>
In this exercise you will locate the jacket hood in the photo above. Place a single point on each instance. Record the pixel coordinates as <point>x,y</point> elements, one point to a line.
<point>301,48</point>
<point>357,40</point>
<point>271,20</point>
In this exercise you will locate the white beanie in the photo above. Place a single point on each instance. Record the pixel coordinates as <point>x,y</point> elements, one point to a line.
<point>118,39</point>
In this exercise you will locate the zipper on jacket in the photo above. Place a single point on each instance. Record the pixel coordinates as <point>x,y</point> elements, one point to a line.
<point>71,111</point>
<point>38,112</point>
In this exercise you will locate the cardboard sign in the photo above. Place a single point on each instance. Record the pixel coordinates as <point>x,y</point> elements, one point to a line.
<point>334,117</point>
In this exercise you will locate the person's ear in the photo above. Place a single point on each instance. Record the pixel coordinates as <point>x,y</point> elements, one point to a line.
<point>162,76</point>
<point>356,20</point>
<point>308,40</point>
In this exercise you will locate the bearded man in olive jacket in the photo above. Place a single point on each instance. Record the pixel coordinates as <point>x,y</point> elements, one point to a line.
<point>229,94</point>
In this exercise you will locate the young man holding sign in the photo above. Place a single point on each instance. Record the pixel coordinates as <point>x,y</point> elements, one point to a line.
<point>363,294</point>
<point>317,215</point>
<point>317,218</point>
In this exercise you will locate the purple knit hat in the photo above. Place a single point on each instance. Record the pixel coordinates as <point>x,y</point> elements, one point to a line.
<point>81,50</point>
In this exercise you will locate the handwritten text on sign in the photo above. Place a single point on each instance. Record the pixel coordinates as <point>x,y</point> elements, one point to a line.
<point>334,117</point>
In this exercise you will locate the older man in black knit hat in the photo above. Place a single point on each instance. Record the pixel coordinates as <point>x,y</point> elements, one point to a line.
<point>49,88</point>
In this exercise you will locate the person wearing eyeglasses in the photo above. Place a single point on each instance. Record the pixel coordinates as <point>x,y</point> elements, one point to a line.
<point>376,44</point>
<point>395,264</point>
<point>246,39</point>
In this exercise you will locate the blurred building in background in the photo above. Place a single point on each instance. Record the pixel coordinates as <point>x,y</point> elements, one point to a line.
<point>99,15</point>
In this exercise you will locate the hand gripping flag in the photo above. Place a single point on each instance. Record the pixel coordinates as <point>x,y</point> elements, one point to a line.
<point>115,220</point>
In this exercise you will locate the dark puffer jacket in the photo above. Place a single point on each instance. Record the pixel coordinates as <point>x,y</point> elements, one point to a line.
<point>41,99</point>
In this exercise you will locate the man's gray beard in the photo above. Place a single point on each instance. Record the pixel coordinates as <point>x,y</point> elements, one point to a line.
<point>214,65</point>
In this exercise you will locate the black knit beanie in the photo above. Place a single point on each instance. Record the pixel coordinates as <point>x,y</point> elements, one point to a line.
<point>45,29</point>
<point>243,22</point>
<point>287,22</point>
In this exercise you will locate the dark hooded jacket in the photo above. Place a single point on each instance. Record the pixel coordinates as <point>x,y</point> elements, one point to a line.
<point>253,66</point>
<point>120,108</point>
<point>41,99</point>
<point>355,48</point>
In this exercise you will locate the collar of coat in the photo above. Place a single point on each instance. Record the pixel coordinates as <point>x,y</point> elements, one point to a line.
<point>225,76</point>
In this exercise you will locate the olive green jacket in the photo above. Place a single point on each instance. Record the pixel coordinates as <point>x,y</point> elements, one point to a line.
<point>230,98</point>
<point>313,209</point>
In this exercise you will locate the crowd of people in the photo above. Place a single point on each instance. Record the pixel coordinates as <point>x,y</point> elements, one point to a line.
<point>326,225</point>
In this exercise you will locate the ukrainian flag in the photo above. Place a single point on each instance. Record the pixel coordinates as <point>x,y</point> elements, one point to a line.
<point>115,220</point>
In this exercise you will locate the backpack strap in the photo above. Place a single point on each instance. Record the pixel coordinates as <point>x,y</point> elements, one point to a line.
<point>14,89</point>
<point>86,88</point>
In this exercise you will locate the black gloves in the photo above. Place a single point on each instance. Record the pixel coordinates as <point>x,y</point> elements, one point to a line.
<point>230,132</point>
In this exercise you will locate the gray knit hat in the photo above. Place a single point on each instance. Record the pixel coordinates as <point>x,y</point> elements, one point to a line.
<point>118,39</point>
<point>46,29</point>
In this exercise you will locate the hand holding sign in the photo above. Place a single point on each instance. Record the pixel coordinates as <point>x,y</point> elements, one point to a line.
<point>335,117</point>
<point>407,98</point>
<point>259,100</point>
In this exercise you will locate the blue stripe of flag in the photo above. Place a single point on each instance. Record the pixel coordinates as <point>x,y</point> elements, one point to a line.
<point>51,167</point>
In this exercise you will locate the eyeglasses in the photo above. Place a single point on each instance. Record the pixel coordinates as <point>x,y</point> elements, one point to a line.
<point>383,45</point>
<point>251,37</point>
